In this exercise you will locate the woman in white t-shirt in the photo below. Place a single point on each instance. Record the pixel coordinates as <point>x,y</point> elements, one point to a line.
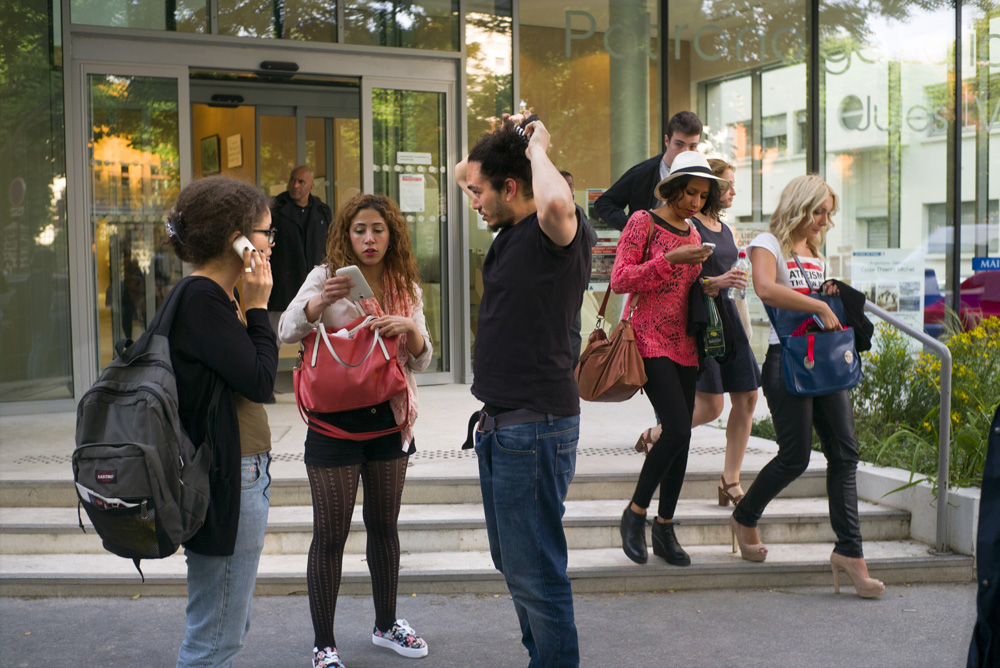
<point>798,227</point>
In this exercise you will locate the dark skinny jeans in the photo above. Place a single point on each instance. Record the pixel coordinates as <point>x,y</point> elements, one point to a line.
<point>794,418</point>
<point>670,389</point>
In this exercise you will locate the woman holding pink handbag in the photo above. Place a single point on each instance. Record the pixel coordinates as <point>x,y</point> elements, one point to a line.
<point>370,233</point>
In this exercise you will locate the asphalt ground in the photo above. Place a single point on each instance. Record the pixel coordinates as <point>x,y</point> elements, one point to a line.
<point>923,625</point>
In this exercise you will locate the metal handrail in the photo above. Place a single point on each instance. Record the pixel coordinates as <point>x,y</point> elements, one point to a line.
<point>944,425</point>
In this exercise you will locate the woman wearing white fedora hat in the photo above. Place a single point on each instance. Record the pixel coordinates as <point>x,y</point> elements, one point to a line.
<point>659,287</point>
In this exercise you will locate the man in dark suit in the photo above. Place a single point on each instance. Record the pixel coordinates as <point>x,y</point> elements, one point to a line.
<point>301,221</point>
<point>635,188</point>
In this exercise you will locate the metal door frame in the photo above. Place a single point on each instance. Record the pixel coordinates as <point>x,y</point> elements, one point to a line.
<point>82,260</point>
<point>452,300</point>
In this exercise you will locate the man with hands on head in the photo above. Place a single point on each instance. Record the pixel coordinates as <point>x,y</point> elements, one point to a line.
<point>534,276</point>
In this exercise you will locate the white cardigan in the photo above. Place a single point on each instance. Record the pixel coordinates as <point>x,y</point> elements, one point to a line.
<point>294,326</point>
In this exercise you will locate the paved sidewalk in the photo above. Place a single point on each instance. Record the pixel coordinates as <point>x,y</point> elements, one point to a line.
<point>39,447</point>
<point>923,626</point>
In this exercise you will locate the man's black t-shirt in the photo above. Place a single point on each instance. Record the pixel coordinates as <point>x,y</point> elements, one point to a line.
<point>532,291</point>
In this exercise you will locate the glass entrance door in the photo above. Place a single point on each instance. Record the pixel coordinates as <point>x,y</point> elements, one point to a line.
<point>238,131</point>
<point>409,163</point>
<point>133,174</point>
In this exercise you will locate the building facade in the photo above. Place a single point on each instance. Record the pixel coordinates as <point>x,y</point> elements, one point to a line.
<point>109,107</point>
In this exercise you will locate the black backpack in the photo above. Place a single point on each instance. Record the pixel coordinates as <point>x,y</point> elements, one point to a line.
<point>142,482</point>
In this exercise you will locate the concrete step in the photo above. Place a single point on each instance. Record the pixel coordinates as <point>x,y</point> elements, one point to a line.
<point>294,491</point>
<point>591,570</point>
<point>461,527</point>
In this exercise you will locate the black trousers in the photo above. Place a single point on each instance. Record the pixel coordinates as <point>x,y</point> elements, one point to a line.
<point>794,419</point>
<point>670,388</point>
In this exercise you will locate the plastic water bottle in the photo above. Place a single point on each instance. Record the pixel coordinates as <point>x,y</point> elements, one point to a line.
<point>741,263</point>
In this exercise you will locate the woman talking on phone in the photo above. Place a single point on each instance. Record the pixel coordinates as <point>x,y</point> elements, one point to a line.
<point>369,233</point>
<point>212,340</point>
<point>787,263</point>
<point>659,285</point>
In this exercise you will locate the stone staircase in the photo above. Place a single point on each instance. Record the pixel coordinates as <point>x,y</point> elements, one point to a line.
<point>443,539</point>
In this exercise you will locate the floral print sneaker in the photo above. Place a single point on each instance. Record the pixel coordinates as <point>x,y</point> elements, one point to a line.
<point>326,658</point>
<point>402,639</point>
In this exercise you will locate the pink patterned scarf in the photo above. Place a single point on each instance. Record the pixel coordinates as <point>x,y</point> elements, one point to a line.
<point>397,303</point>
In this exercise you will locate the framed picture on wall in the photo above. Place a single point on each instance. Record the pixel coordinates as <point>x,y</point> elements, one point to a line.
<point>210,155</point>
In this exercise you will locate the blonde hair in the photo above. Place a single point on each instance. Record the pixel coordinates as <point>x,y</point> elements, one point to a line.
<point>800,198</point>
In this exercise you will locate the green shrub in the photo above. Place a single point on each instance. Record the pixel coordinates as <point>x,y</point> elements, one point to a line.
<point>897,405</point>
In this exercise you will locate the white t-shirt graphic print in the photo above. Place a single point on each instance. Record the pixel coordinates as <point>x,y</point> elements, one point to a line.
<point>788,273</point>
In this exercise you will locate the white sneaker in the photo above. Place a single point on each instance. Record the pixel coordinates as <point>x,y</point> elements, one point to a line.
<point>326,658</point>
<point>402,639</point>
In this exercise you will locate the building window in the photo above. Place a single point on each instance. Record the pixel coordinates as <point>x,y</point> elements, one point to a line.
<point>977,236</point>
<point>774,133</point>
<point>801,132</point>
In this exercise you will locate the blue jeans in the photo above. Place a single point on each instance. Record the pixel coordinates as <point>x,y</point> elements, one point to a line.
<point>524,472</point>
<point>220,589</point>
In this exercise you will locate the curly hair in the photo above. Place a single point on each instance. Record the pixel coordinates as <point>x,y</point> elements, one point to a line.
<point>207,212</point>
<point>673,191</point>
<point>399,263</point>
<point>800,198</point>
<point>500,154</point>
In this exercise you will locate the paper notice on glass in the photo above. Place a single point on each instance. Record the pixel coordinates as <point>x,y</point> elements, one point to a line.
<point>892,279</point>
<point>411,193</point>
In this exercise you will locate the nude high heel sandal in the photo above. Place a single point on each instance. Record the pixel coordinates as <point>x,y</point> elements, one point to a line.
<point>749,551</point>
<point>865,587</point>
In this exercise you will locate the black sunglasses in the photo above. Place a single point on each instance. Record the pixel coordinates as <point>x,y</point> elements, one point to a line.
<point>271,233</point>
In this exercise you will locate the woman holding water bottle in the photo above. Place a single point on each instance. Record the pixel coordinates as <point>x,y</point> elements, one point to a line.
<point>740,376</point>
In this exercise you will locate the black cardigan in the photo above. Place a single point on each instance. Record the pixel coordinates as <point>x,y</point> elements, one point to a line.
<point>208,341</point>
<point>634,189</point>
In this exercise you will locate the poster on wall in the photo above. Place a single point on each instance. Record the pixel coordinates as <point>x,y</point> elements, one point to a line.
<point>592,195</point>
<point>234,151</point>
<point>602,261</point>
<point>892,279</point>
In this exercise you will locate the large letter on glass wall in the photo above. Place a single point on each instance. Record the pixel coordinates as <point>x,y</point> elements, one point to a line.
<point>887,96</point>
<point>744,63</point>
<point>35,357</point>
<point>409,147</point>
<point>133,181</point>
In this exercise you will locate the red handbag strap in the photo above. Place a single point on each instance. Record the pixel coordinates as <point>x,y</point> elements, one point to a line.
<point>333,431</point>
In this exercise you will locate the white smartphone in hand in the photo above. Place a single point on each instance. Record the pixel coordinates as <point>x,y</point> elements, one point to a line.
<point>241,244</point>
<point>361,289</point>
<point>708,244</point>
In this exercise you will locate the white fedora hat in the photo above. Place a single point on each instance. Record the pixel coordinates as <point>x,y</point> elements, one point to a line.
<point>690,163</point>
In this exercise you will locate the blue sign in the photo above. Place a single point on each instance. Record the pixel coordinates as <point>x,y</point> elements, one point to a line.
<point>986,263</point>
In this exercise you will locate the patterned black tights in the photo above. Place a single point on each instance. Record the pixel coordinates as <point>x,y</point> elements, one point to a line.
<point>334,490</point>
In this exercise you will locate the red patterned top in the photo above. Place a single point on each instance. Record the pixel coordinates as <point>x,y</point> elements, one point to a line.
<point>661,319</point>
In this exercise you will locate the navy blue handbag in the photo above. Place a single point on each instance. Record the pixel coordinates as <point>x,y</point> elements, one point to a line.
<point>815,363</point>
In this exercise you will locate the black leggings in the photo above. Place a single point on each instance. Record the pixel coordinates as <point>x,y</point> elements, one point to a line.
<point>794,418</point>
<point>334,490</point>
<point>670,388</point>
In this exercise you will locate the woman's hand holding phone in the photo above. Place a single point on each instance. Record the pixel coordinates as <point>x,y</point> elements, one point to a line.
<point>257,279</point>
<point>688,254</point>
<point>335,289</point>
<point>828,318</point>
